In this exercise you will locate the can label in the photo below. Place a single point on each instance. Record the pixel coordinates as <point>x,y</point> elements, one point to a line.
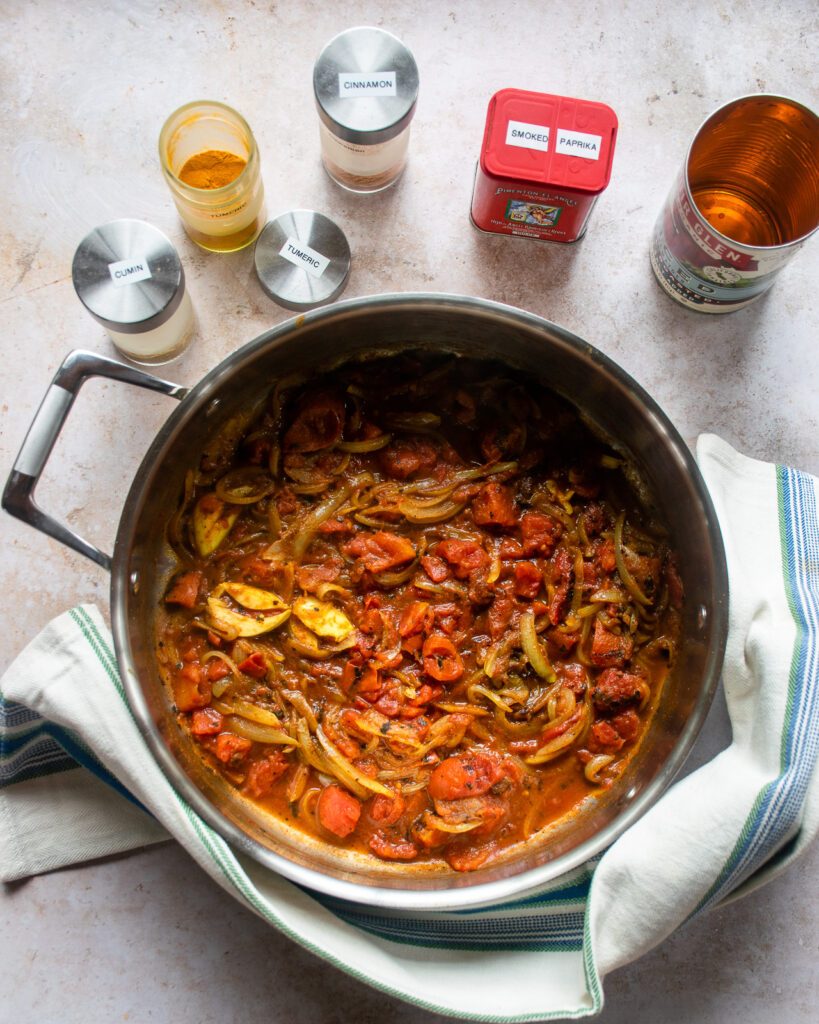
<point>703,270</point>
<point>376,83</point>
<point>528,136</point>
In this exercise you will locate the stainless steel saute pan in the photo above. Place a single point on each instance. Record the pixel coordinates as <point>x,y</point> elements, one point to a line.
<point>142,562</point>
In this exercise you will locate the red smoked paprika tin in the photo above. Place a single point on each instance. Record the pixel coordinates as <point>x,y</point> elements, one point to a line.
<point>544,161</point>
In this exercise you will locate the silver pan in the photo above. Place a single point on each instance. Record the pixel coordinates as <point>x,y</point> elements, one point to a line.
<point>142,562</point>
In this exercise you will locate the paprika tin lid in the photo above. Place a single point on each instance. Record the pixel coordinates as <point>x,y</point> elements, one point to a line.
<point>302,259</point>
<point>550,140</point>
<point>128,276</point>
<point>366,85</point>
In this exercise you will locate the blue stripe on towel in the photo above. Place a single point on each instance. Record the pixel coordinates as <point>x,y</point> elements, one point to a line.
<point>776,815</point>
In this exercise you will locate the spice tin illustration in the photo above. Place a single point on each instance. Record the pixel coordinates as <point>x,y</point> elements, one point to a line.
<point>544,161</point>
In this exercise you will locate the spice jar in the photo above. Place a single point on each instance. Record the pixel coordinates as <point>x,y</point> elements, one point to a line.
<point>129,277</point>
<point>544,162</point>
<point>366,86</point>
<point>211,163</point>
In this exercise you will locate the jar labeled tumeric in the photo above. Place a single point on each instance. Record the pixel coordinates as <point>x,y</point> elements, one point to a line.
<point>211,163</point>
<point>366,86</point>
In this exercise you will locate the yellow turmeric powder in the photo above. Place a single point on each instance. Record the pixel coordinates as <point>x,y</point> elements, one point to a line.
<point>213,168</point>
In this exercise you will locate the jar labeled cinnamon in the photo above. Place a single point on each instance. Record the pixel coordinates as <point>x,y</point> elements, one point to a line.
<point>366,86</point>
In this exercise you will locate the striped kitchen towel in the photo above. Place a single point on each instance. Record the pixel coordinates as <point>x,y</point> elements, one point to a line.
<point>720,832</point>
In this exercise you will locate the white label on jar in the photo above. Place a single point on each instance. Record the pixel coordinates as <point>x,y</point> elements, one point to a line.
<point>303,256</point>
<point>578,144</point>
<point>527,136</point>
<point>377,83</point>
<point>129,271</point>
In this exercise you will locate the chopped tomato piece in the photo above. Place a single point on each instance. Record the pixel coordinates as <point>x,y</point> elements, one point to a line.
<point>627,724</point>
<point>185,590</point>
<point>263,774</point>
<point>230,748</point>
<point>404,458</point>
<point>610,648</point>
<point>510,549</point>
<point>615,689</point>
<point>338,811</point>
<point>363,679</point>
<point>217,669</point>
<point>604,555</point>
<point>318,423</point>
<point>605,738</point>
<point>387,809</point>
<point>471,774</point>
<point>339,526</point>
<point>564,581</point>
<point>436,568</point>
<point>469,859</point>
<point>441,660</point>
<point>528,579</point>
<point>540,533</point>
<point>494,505</point>
<point>207,722</point>
<point>574,677</point>
<point>380,551</point>
<point>191,689</point>
<point>254,665</point>
<point>500,615</point>
<point>414,618</point>
<point>465,556</point>
<point>392,849</point>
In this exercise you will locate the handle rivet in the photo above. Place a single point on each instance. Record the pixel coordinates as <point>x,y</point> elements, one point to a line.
<point>213,405</point>
<point>134,582</point>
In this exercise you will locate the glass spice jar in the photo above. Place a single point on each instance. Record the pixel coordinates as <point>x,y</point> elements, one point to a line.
<point>211,163</point>
<point>366,87</point>
<point>129,277</point>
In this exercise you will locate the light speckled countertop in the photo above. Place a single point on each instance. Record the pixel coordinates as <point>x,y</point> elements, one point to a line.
<point>85,90</point>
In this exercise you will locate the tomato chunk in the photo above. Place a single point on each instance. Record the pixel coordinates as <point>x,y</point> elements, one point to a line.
<point>494,505</point>
<point>615,689</point>
<point>540,533</point>
<point>207,722</point>
<point>387,809</point>
<point>436,568</point>
<point>471,774</point>
<point>254,665</point>
<point>262,775</point>
<point>392,849</point>
<point>231,749</point>
<point>441,660</point>
<point>185,590</point>
<point>609,648</point>
<point>338,811</point>
<point>528,579</point>
<point>414,618</point>
<point>465,556</point>
<point>404,458</point>
<point>380,551</point>
<point>318,423</point>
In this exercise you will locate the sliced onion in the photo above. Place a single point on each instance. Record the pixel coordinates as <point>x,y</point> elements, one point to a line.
<point>346,772</point>
<point>596,765</point>
<point>535,654</point>
<point>628,580</point>
<point>490,695</point>
<point>244,486</point>
<point>436,821</point>
<point>300,703</point>
<point>372,444</point>
<point>462,709</point>
<point>258,733</point>
<point>298,783</point>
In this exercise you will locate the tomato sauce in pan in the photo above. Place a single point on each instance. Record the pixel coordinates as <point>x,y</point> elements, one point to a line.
<point>419,611</point>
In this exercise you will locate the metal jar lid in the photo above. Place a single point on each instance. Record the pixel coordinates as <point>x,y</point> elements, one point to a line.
<point>302,259</point>
<point>128,276</point>
<point>366,85</point>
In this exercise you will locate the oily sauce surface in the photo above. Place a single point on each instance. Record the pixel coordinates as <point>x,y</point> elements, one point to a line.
<point>419,612</point>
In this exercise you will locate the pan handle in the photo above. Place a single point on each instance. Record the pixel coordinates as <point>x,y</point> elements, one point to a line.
<point>18,495</point>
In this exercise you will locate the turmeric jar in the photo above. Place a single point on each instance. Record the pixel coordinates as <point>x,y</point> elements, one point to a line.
<point>211,163</point>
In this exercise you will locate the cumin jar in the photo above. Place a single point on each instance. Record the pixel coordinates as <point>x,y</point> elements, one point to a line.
<point>366,86</point>
<point>211,163</point>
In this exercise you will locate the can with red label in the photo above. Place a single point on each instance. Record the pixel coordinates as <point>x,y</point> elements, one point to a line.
<point>544,161</point>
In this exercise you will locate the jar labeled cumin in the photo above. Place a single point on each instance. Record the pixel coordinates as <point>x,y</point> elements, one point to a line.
<point>366,86</point>
<point>544,161</point>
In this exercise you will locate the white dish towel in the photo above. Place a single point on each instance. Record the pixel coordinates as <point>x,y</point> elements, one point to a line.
<point>74,771</point>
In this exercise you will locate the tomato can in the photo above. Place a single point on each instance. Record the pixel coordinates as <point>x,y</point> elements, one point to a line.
<point>544,161</point>
<point>744,203</point>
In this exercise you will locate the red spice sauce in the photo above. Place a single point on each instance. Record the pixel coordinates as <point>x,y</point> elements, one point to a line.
<point>418,610</point>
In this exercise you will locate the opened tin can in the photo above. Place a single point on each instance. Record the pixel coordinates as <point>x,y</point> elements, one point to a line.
<point>544,161</point>
<point>745,202</point>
